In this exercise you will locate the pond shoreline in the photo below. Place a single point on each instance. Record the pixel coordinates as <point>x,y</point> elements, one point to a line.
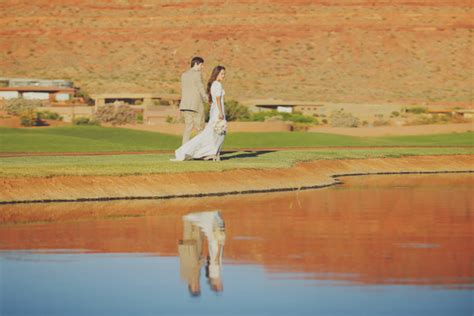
<point>306,175</point>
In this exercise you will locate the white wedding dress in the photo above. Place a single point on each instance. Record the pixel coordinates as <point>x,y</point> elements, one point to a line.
<point>208,142</point>
<point>212,225</point>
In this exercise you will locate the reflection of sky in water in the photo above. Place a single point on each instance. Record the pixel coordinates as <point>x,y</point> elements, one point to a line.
<point>116,284</point>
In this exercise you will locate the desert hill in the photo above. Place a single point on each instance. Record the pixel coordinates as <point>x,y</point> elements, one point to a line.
<point>416,51</point>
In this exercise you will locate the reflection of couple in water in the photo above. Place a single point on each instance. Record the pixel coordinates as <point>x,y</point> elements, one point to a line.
<point>196,226</point>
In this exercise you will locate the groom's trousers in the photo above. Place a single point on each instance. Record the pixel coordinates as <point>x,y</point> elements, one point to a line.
<point>192,120</point>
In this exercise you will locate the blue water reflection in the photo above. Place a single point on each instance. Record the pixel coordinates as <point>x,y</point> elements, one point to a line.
<point>121,284</point>
<point>375,246</point>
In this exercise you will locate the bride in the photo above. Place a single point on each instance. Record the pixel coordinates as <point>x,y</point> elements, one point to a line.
<point>207,144</point>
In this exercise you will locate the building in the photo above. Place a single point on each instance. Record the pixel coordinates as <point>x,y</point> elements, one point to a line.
<point>22,82</point>
<point>307,108</point>
<point>37,89</point>
<point>52,94</point>
<point>146,99</point>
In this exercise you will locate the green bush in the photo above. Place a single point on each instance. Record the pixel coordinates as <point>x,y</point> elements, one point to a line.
<point>274,115</point>
<point>174,120</point>
<point>19,105</point>
<point>299,118</point>
<point>234,111</point>
<point>416,110</point>
<point>343,119</point>
<point>47,115</point>
<point>140,118</point>
<point>263,116</point>
<point>28,117</point>
<point>84,121</point>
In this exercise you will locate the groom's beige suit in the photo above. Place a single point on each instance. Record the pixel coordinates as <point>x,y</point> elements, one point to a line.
<point>193,96</point>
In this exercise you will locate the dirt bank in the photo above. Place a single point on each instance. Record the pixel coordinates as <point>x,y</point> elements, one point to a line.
<point>305,175</point>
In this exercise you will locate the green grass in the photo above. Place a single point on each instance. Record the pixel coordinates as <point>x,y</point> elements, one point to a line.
<point>47,166</point>
<point>83,139</point>
<point>102,139</point>
<point>302,139</point>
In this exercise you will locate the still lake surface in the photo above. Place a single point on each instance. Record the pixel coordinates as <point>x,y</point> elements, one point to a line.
<point>377,245</point>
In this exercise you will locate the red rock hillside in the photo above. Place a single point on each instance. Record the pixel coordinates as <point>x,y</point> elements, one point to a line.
<point>343,50</point>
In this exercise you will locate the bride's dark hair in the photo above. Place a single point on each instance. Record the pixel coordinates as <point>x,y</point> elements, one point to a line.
<point>215,72</point>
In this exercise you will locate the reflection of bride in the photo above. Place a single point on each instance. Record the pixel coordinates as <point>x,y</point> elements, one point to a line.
<point>212,226</point>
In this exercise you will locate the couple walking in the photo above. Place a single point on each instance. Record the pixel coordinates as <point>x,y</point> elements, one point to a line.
<point>208,142</point>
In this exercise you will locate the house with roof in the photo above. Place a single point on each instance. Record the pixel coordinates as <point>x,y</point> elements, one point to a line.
<point>37,89</point>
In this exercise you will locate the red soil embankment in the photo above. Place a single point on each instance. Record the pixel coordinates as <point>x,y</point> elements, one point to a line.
<point>304,175</point>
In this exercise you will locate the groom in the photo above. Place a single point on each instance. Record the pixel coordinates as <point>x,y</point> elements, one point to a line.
<point>193,96</point>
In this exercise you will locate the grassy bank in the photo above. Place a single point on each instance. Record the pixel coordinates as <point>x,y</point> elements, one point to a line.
<point>101,139</point>
<point>160,163</point>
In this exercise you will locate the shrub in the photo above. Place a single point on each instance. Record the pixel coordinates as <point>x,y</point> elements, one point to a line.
<point>299,118</point>
<point>437,119</point>
<point>28,117</point>
<point>84,95</point>
<point>262,116</point>
<point>395,114</point>
<point>84,121</point>
<point>105,113</point>
<point>124,114</point>
<point>47,115</point>
<point>173,120</point>
<point>234,111</point>
<point>140,118</point>
<point>343,119</point>
<point>19,105</point>
<point>281,116</point>
<point>416,110</point>
<point>300,127</point>
<point>119,115</point>
<point>380,121</point>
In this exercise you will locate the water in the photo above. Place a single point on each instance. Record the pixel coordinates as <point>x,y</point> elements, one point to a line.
<point>382,245</point>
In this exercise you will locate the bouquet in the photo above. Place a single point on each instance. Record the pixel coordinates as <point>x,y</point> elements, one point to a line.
<point>220,127</point>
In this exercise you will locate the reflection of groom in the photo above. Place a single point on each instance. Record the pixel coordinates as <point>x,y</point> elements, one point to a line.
<point>193,95</point>
<point>190,255</point>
